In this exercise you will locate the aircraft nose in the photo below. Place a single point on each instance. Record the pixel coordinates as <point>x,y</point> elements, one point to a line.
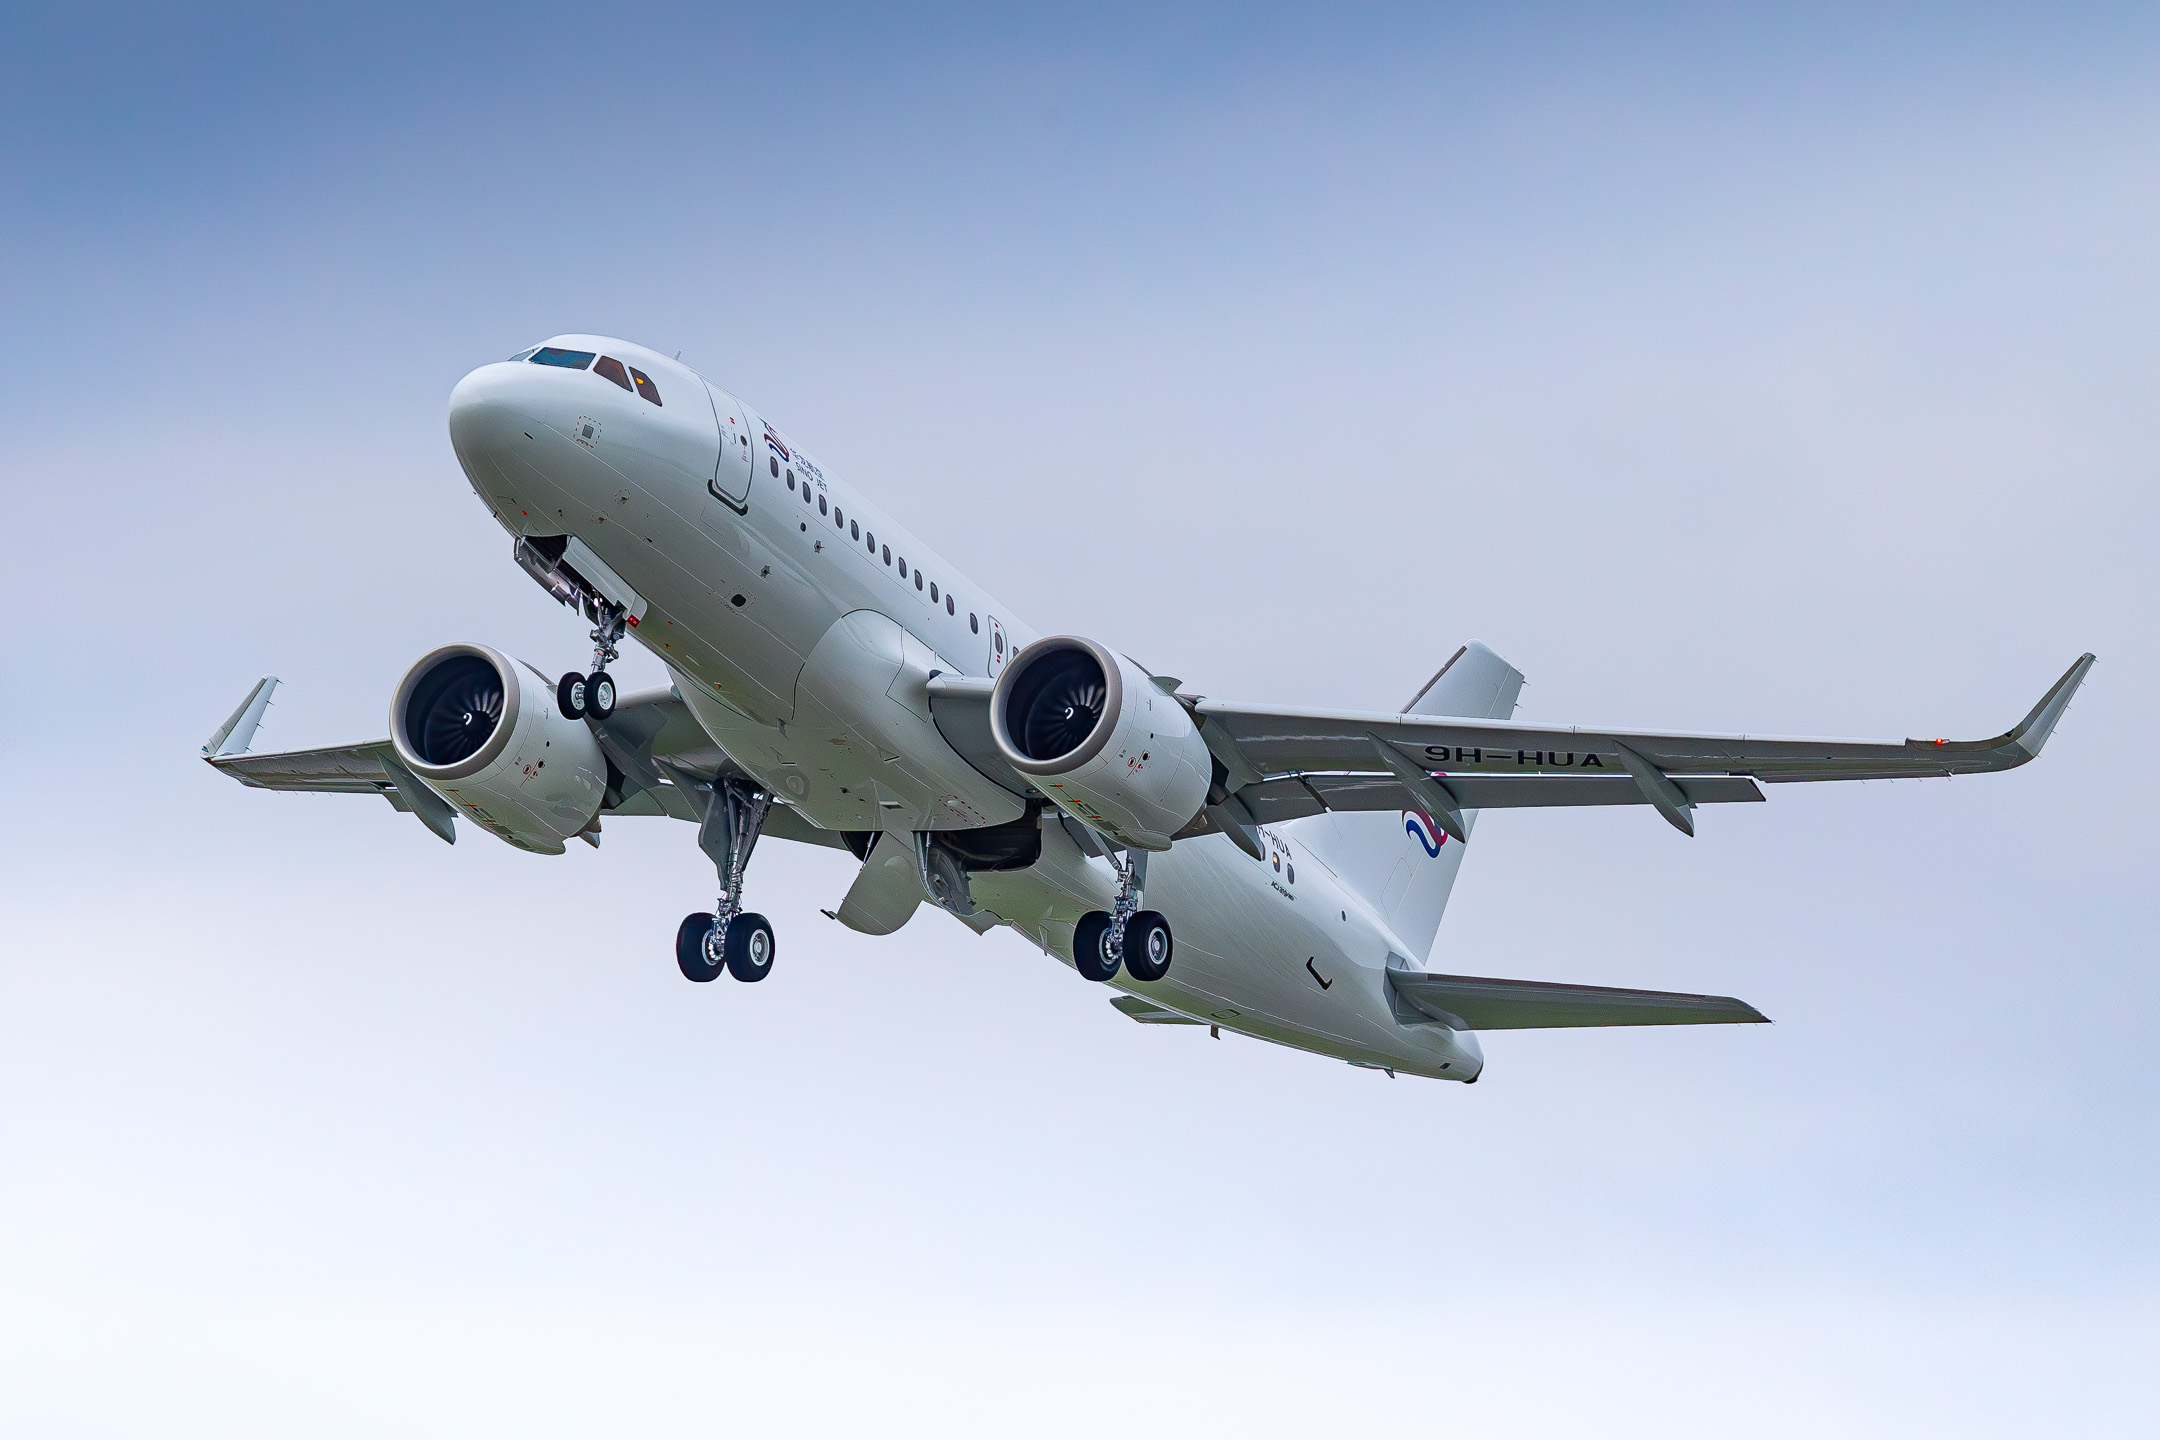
<point>492,405</point>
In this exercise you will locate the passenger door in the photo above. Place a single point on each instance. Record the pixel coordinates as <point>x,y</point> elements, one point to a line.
<point>738,455</point>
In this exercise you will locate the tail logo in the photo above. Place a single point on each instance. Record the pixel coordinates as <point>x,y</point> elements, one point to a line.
<point>1422,829</point>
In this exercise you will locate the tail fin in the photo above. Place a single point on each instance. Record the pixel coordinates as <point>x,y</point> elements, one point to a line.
<point>1403,864</point>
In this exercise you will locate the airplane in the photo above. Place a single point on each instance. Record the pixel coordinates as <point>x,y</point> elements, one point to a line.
<point>835,681</point>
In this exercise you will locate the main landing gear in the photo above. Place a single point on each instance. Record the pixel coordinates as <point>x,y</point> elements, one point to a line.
<point>743,946</point>
<point>593,696</point>
<point>728,937</point>
<point>1137,939</point>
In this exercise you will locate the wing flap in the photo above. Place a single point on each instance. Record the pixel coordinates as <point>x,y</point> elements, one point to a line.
<point>1518,792</point>
<point>1469,1002</point>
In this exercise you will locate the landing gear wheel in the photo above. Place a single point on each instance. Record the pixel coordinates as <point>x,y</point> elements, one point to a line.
<point>1091,955</point>
<point>749,948</point>
<point>570,696</point>
<point>1147,946</point>
<point>692,955</point>
<point>599,695</point>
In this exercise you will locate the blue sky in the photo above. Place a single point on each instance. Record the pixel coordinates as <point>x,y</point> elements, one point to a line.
<point>1779,371</point>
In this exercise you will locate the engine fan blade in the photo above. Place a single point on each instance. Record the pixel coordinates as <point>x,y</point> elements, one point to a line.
<point>462,717</point>
<point>1064,715</point>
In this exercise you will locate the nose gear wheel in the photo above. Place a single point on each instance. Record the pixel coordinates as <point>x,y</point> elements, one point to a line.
<point>599,695</point>
<point>592,696</point>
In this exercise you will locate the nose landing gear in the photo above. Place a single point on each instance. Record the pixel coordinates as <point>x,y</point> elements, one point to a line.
<point>593,696</point>
<point>728,937</point>
<point>1139,940</point>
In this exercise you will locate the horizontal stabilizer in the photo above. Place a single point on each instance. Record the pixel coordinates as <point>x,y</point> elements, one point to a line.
<point>1467,1002</point>
<point>1147,1012</point>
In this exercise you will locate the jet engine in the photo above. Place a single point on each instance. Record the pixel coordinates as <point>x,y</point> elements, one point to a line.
<point>1101,739</point>
<point>484,733</point>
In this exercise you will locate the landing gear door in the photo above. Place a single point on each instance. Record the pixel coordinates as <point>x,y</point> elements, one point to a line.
<point>997,647</point>
<point>738,458</point>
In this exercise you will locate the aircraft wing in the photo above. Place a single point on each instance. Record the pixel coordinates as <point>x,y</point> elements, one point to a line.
<point>334,769</point>
<point>1468,1002</point>
<point>651,742</point>
<point>1282,763</point>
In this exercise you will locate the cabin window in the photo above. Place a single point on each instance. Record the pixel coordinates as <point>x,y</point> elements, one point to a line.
<point>888,555</point>
<point>948,603</point>
<point>855,533</point>
<point>903,567</point>
<point>774,461</point>
<point>837,519</point>
<point>612,369</point>
<point>790,474</point>
<point>973,628</point>
<point>820,501</point>
<point>645,387</point>
<point>918,579</point>
<point>1290,873</point>
<point>933,594</point>
<point>568,359</point>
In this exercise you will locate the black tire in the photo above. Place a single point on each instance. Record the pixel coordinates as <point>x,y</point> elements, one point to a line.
<point>599,695</point>
<point>1147,945</point>
<point>690,956</point>
<point>1088,955</point>
<point>570,696</point>
<point>749,948</point>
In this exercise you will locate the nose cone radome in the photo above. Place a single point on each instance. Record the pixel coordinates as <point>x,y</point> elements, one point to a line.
<point>492,406</point>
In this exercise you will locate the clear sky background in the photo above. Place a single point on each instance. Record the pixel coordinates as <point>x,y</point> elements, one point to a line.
<point>1789,370</point>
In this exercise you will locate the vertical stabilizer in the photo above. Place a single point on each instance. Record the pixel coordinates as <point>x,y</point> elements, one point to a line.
<point>1404,864</point>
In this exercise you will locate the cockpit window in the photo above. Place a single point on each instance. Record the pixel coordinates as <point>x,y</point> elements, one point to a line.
<point>568,359</point>
<point>645,387</point>
<point>524,355</point>
<point>612,368</point>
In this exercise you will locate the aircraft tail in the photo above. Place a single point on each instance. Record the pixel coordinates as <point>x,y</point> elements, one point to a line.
<point>1404,864</point>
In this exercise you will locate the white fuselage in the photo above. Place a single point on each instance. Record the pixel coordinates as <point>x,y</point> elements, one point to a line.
<point>776,596</point>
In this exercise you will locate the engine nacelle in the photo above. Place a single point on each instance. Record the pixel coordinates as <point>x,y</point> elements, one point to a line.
<point>1101,739</point>
<point>484,733</point>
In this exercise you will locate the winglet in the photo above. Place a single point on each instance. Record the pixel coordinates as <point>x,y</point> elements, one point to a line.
<point>238,732</point>
<point>2032,732</point>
